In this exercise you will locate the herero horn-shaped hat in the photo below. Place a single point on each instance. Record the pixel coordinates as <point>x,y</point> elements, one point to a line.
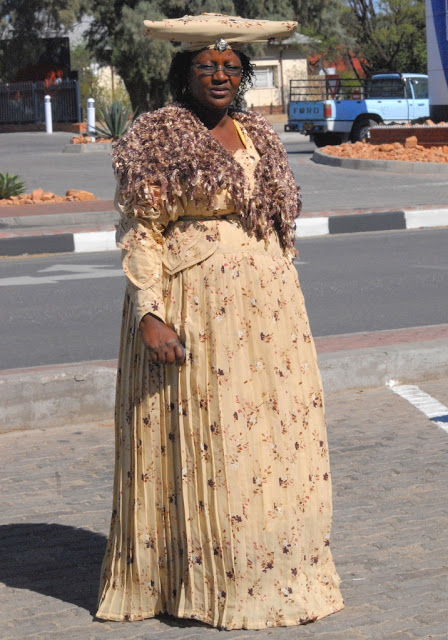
<point>215,30</point>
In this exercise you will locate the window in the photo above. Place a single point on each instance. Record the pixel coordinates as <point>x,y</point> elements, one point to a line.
<point>420,86</point>
<point>385,88</point>
<point>264,78</point>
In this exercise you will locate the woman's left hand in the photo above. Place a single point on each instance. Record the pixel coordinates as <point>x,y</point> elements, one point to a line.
<point>161,341</point>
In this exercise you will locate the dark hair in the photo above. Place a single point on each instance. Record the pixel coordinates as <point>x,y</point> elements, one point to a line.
<point>180,69</point>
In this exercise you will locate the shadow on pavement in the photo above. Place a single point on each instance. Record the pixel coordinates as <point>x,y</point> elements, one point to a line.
<point>52,559</point>
<point>300,153</point>
<point>61,562</point>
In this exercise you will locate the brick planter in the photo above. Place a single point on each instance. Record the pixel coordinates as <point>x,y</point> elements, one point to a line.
<point>427,135</point>
<point>71,127</point>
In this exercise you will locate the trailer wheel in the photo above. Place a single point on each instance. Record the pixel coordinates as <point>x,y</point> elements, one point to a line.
<point>361,130</point>
<point>322,139</point>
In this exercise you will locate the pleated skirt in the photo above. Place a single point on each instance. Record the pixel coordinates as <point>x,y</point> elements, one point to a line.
<point>222,492</point>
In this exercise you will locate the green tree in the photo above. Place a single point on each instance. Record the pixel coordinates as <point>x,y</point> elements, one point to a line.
<point>179,8</point>
<point>81,60</point>
<point>266,9</point>
<point>318,19</point>
<point>388,35</point>
<point>322,20</point>
<point>41,17</point>
<point>116,37</point>
<point>24,22</point>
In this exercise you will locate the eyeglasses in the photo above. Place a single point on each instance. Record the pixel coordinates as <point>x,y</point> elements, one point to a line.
<point>211,69</point>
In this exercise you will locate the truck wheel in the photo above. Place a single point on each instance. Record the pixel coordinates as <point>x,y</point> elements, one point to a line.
<point>322,139</point>
<point>361,130</point>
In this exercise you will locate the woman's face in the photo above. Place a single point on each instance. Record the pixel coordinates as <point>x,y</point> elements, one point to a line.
<point>218,90</point>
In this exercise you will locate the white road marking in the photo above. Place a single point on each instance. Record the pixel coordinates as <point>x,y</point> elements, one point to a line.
<point>74,268</point>
<point>426,218</point>
<point>432,408</point>
<point>312,227</point>
<point>94,241</point>
<point>429,266</point>
<point>75,272</point>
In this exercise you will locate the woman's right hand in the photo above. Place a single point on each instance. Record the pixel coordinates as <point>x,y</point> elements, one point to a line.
<point>162,342</point>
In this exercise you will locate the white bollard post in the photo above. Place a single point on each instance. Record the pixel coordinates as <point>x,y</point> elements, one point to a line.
<point>48,115</point>
<point>91,121</point>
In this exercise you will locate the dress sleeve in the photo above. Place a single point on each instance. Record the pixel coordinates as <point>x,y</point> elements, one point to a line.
<point>140,237</point>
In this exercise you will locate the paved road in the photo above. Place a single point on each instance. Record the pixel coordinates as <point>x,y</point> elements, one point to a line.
<point>328,188</point>
<point>67,308</point>
<point>39,159</point>
<point>389,537</point>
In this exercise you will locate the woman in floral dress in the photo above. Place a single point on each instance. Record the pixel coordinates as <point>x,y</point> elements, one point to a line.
<point>222,492</point>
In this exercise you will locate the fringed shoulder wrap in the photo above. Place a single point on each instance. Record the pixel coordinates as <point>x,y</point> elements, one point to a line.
<point>172,149</point>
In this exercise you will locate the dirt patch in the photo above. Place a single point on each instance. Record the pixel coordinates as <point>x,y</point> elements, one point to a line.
<point>409,151</point>
<point>39,196</point>
<point>89,140</point>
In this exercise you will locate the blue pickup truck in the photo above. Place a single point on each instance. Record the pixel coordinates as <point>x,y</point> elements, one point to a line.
<point>334,110</point>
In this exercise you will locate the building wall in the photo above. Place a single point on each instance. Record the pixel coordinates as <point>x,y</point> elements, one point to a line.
<point>437,46</point>
<point>277,68</point>
<point>293,69</point>
<point>266,97</point>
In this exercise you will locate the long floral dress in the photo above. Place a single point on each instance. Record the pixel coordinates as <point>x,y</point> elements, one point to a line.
<point>222,492</point>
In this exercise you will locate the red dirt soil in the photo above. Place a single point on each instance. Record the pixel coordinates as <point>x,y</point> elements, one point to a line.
<point>89,140</point>
<point>410,151</point>
<point>39,196</point>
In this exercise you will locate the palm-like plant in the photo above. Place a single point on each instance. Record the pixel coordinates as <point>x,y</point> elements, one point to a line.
<point>115,120</point>
<point>10,185</point>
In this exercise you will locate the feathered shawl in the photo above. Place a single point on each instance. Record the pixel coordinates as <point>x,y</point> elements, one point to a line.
<point>172,149</point>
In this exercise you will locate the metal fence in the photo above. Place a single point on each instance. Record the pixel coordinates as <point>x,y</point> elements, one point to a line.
<point>315,89</point>
<point>23,102</point>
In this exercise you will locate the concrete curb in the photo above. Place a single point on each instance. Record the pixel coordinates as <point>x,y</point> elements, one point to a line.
<point>103,147</point>
<point>378,221</point>
<point>42,397</point>
<point>394,166</point>
<point>47,220</point>
<point>375,366</point>
<point>57,241</point>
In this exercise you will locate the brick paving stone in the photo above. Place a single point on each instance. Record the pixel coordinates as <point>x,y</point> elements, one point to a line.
<point>437,630</point>
<point>329,344</point>
<point>436,388</point>
<point>390,533</point>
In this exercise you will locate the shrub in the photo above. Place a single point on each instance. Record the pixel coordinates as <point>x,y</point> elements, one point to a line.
<point>97,82</point>
<point>10,185</point>
<point>115,120</point>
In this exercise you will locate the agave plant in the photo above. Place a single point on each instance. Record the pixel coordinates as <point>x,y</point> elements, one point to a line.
<point>10,185</point>
<point>115,120</point>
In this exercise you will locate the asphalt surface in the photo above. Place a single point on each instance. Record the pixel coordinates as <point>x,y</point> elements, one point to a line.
<point>39,159</point>
<point>327,188</point>
<point>67,308</point>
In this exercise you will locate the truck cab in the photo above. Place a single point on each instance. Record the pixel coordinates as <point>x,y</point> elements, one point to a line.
<point>346,109</point>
